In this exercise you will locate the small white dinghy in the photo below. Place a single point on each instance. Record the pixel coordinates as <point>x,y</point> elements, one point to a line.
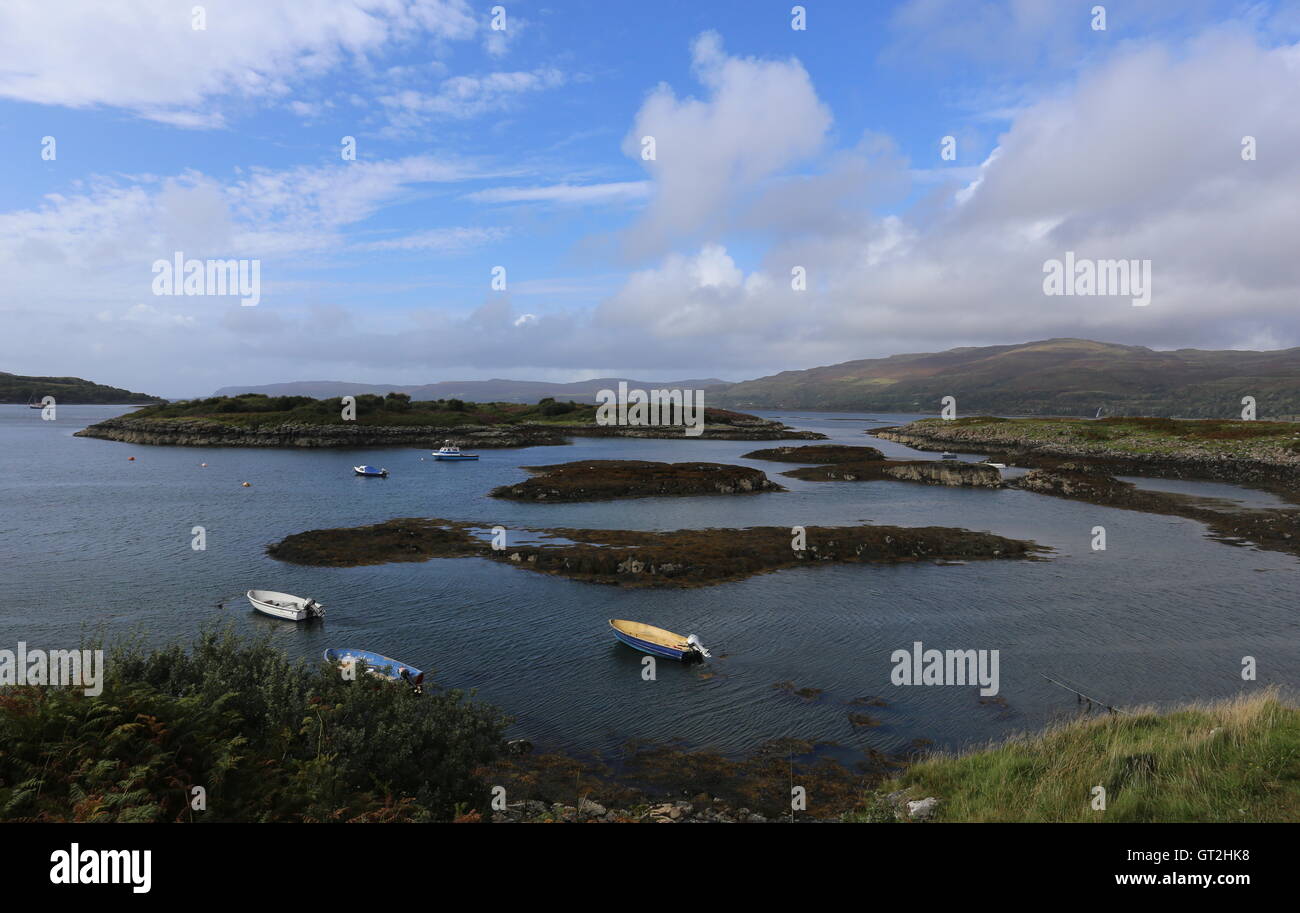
<point>282,605</point>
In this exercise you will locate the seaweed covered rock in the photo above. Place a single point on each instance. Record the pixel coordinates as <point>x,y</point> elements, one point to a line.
<point>817,454</point>
<point>601,480</point>
<point>929,472</point>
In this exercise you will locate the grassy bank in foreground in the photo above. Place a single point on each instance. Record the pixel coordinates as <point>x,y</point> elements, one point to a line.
<point>1230,761</point>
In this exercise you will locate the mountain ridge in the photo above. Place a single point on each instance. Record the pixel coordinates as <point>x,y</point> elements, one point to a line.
<point>1065,376</point>
<point>1061,376</point>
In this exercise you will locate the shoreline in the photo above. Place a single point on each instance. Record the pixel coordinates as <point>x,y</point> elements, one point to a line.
<point>198,432</point>
<point>1237,455</point>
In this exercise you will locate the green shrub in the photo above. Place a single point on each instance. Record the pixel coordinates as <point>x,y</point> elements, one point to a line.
<point>268,739</point>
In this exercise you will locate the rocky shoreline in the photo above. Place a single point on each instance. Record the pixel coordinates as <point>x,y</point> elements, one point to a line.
<point>818,454</point>
<point>928,472</point>
<point>667,782</point>
<point>602,480</point>
<point>1275,468</point>
<point>1276,530</point>
<point>201,432</point>
<point>630,558</point>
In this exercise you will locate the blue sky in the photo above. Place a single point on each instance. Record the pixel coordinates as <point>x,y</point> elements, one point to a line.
<point>479,148</point>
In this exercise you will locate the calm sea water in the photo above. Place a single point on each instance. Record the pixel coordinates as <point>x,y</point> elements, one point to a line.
<point>93,543</point>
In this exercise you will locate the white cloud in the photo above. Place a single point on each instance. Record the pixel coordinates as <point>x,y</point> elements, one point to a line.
<point>758,117</point>
<point>441,240</point>
<point>146,56</point>
<point>467,96</point>
<point>1139,159</point>
<point>576,194</point>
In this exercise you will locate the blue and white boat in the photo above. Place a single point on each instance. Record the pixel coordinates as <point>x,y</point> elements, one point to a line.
<point>657,641</point>
<point>370,471</point>
<point>449,452</point>
<point>377,665</point>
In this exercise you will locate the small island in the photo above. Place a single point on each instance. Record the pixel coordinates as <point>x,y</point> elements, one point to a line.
<point>928,472</point>
<point>817,454</point>
<point>629,558</point>
<point>603,480</point>
<point>256,420</point>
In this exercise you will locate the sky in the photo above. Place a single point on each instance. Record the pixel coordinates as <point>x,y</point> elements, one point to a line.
<point>798,210</point>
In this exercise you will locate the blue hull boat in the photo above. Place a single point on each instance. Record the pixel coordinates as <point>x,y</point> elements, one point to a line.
<point>370,472</point>
<point>377,664</point>
<point>657,641</point>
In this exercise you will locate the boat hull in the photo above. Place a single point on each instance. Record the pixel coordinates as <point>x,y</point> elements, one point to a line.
<point>281,605</point>
<point>454,459</point>
<point>654,649</point>
<point>379,665</point>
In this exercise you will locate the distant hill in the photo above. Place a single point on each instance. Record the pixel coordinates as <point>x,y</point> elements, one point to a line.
<point>483,391</point>
<point>1049,377</point>
<point>16,388</point>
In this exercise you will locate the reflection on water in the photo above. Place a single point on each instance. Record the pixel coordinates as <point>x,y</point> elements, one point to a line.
<point>93,541</point>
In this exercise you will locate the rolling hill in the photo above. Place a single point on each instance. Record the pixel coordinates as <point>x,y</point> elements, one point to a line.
<point>17,388</point>
<point>1071,377</point>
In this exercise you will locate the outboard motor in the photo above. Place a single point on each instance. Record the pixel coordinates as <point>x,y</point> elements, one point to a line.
<point>416,682</point>
<point>697,646</point>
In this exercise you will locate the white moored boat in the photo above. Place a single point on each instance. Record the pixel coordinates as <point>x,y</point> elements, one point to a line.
<point>449,451</point>
<point>283,605</point>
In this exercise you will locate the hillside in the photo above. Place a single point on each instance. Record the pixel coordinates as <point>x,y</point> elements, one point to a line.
<point>1049,377</point>
<point>17,388</point>
<point>483,391</point>
<point>1233,760</point>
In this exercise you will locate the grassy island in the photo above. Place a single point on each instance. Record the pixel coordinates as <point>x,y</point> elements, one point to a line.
<point>257,420</point>
<point>630,558</point>
<point>602,480</point>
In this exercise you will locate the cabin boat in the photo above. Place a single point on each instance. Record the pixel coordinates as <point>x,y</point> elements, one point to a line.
<point>450,452</point>
<point>948,456</point>
<point>370,471</point>
<point>283,605</point>
<point>378,665</point>
<point>657,641</point>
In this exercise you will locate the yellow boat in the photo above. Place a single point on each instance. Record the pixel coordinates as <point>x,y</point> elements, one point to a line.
<point>657,641</point>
